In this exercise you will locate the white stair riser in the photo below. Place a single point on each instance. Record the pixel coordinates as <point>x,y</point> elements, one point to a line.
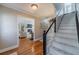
<point>66,27</point>
<point>68,31</point>
<point>68,41</point>
<point>66,48</point>
<point>67,36</point>
<point>55,52</point>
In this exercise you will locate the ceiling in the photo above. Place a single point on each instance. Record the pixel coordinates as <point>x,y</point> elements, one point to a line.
<point>44,9</point>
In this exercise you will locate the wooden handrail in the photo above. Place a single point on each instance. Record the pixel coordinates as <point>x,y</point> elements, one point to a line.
<point>51,25</point>
<point>53,21</point>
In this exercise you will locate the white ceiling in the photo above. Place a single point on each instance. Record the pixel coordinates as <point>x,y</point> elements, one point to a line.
<point>44,9</point>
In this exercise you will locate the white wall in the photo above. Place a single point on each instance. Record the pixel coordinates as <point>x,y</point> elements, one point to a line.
<point>69,7</point>
<point>0,28</point>
<point>9,37</point>
<point>58,21</point>
<point>38,30</point>
<point>8,29</point>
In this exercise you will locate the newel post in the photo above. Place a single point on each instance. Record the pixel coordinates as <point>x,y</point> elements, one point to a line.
<point>44,42</point>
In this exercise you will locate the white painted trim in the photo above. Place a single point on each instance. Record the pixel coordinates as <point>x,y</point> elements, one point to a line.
<point>36,39</point>
<point>9,48</point>
<point>40,38</point>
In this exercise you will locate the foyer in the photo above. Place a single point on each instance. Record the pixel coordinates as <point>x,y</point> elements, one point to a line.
<point>39,29</point>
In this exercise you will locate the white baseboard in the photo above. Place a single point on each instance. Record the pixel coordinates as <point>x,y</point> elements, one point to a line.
<point>38,39</point>
<point>9,48</point>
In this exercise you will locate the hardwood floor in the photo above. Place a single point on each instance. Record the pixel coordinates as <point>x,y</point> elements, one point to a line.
<point>27,47</point>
